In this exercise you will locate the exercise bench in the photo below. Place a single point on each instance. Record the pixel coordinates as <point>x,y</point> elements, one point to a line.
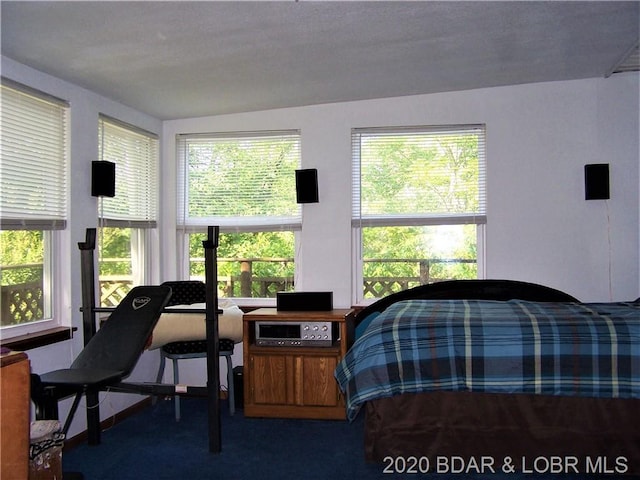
<point>107,359</point>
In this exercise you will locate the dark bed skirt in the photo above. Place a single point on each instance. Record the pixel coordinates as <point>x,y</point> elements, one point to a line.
<point>588,435</point>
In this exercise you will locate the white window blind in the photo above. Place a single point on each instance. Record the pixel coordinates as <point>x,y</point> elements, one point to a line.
<point>239,181</point>
<point>135,153</point>
<point>419,176</point>
<point>33,160</point>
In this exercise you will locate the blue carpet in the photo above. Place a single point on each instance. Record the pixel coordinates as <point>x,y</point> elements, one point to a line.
<point>152,445</point>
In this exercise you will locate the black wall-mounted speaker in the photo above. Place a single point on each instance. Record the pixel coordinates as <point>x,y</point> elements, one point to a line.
<point>103,179</point>
<point>307,185</point>
<point>596,181</point>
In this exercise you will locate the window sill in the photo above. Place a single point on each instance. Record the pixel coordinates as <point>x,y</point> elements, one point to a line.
<point>38,339</point>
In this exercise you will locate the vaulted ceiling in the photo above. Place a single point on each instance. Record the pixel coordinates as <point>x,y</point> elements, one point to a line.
<point>177,59</point>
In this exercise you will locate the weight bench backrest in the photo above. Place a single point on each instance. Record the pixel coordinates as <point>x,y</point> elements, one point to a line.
<point>118,344</point>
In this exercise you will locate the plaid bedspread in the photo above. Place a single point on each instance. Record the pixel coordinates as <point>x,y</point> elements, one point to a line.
<point>487,346</point>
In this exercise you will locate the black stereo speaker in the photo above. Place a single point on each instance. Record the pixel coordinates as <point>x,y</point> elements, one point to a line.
<point>596,181</point>
<point>238,387</point>
<point>304,301</point>
<point>307,185</point>
<point>103,179</point>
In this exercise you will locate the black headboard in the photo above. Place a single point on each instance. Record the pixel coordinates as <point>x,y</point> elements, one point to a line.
<point>501,290</point>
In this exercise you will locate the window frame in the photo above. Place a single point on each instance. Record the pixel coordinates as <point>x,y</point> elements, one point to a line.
<point>142,218</point>
<point>255,223</point>
<point>187,225</point>
<point>52,223</point>
<point>360,221</point>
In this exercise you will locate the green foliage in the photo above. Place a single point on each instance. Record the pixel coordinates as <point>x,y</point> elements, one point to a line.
<point>268,257</point>
<point>114,251</point>
<point>413,175</point>
<point>277,246</point>
<point>431,252</point>
<point>419,176</point>
<point>238,179</point>
<point>21,256</point>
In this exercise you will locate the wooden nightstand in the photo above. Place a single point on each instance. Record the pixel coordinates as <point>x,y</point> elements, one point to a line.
<point>293,381</point>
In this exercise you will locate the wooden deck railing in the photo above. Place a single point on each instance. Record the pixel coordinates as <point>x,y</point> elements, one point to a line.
<point>24,303</point>
<point>21,303</point>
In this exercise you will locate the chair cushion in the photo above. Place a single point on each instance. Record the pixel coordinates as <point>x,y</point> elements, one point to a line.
<point>186,292</point>
<point>196,346</point>
<point>226,345</point>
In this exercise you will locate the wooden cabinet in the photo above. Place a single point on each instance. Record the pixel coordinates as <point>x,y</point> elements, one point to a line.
<point>15,414</point>
<point>294,381</point>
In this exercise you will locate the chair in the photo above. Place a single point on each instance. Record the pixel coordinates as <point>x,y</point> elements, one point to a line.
<point>107,359</point>
<point>188,292</point>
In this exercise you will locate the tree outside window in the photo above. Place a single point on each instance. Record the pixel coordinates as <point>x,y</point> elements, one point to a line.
<point>243,182</point>
<point>418,205</point>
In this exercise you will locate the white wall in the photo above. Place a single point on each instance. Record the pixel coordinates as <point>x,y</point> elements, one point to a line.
<point>539,137</point>
<point>540,228</point>
<point>85,108</point>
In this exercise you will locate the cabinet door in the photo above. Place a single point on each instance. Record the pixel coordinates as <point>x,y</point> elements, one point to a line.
<point>315,381</point>
<point>269,379</point>
<point>14,427</point>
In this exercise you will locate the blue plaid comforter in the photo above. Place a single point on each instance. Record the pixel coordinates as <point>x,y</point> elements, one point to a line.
<point>487,346</point>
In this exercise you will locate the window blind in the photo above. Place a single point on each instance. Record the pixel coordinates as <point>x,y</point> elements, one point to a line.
<point>419,176</point>
<point>243,181</point>
<point>135,153</point>
<point>33,159</point>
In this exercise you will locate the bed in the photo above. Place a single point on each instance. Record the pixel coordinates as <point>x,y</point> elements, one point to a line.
<point>497,369</point>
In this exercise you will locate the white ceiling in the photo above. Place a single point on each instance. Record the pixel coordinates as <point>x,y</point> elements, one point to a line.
<point>177,59</point>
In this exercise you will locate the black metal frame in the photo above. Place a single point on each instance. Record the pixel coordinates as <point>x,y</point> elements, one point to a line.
<point>211,311</point>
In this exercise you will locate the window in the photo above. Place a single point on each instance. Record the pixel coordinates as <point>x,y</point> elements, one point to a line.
<point>125,219</point>
<point>418,206</point>
<point>34,161</point>
<point>244,183</point>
